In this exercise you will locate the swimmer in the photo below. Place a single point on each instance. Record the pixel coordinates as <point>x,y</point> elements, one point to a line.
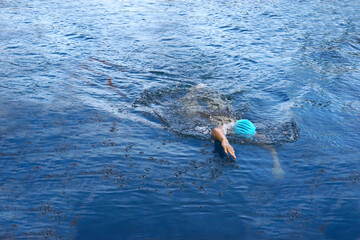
<point>220,114</point>
<point>243,128</point>
<point>203,112</point>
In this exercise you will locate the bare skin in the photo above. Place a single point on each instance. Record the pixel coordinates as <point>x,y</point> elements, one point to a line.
<point>219,134</point>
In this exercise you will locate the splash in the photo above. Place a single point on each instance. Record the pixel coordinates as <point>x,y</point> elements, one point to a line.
<point>186,109</point>
<point>194,110</point>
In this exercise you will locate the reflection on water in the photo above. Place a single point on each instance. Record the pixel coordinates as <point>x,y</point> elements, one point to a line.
<point>93,96</point>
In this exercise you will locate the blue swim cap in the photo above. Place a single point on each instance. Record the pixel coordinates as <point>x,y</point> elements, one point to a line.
<point>244,128</point>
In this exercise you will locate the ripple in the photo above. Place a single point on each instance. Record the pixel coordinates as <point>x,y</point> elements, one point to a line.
<point>84,155</point>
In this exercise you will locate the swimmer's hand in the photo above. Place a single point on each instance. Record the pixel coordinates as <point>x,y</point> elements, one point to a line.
<point>228,148</point>
<point>219,134</point>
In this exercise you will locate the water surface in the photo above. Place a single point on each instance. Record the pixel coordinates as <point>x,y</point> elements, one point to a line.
<point>79,159</point>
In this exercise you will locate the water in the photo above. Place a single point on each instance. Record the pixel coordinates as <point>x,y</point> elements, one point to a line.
<point>80,161</point>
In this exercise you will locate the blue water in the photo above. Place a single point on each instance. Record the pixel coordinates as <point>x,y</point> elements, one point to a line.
<point>80,161</point>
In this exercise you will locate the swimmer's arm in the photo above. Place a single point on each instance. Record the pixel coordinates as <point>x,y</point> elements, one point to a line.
<point>278,172</point>
<point>261,138</point>
<point>218,134</point>
<point>274,155</point>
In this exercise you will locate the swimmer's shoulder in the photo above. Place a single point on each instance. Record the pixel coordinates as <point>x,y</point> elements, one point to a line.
<point>228,125</point>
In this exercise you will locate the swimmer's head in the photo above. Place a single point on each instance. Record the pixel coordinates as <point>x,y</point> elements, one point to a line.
<point>244,128</point>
